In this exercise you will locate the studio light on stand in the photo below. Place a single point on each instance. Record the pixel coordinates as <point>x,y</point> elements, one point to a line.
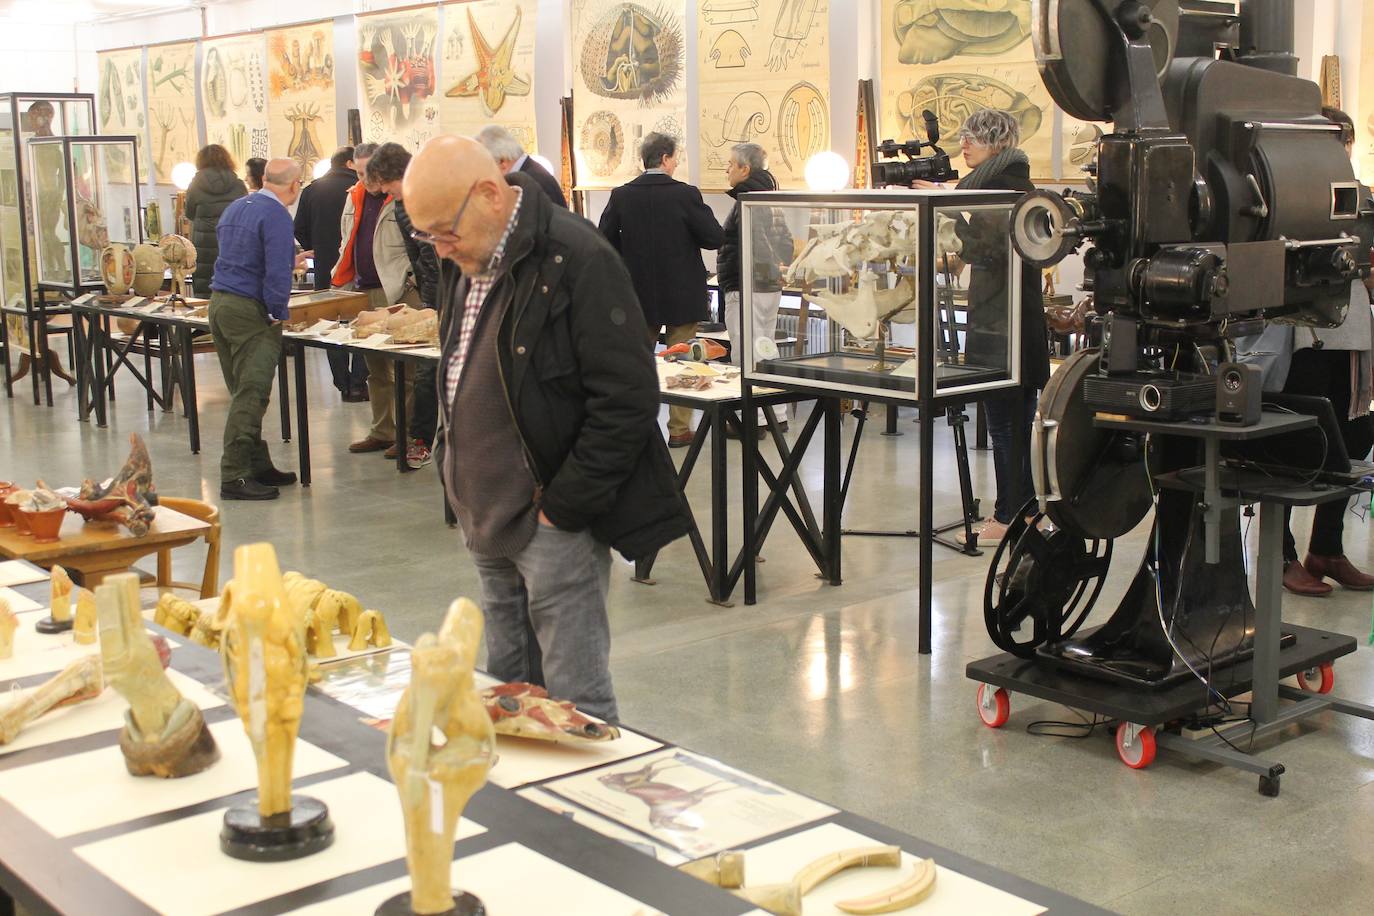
<point>320,169</point>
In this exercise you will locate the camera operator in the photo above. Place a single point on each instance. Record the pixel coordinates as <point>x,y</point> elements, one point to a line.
<point>988,140</point>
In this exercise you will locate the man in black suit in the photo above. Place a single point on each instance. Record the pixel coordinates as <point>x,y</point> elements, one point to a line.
<point>511,157</point>
<point>660,225</point>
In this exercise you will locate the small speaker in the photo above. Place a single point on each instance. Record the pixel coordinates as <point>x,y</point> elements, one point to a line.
<point>1238,394</point>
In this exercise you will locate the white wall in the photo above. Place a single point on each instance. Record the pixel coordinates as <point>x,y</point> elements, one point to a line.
<point>39,57</point>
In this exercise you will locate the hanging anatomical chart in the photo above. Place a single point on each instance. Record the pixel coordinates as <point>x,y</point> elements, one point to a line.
<point>765,78</point>
<point>489,68</point>
<point>173,128</point>
<point>1364,116</point>
<point>955,57</point>
<point>397,91</point>
<point>233,95</point>
<point>121,104</point>
<point>302,123</point>
<point>629,79</point>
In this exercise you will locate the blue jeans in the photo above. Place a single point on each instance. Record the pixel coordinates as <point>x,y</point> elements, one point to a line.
<point>546,618</point>
<point>1011,442</point>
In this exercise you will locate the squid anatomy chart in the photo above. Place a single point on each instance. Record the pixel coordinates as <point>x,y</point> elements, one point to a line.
<point>175,130</point>
<point>300,92</point>
<point>397,76</point>
<point>764,70</point>
<point>488,71</point>
<point>122,104</point>
<point>233,95</point>
<point>629,65</point>
<point>955,57</point>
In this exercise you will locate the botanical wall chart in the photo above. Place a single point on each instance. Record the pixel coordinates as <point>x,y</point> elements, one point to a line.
<point>173,125</point>
<point>302,122</point>
<point>629,78</point>
<point>233,95</point>
<point>764,73</point>
<point>121,103</point>
<point>488,68</point>
<point>955,57</point>
<point>397,75</point>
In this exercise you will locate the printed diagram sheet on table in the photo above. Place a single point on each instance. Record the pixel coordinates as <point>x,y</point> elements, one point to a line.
<point>86,804</point>
<point>368,829</point>
<point>693,804</point>
<point>954,894</point>
<point>603,826</point>
<point>17,602</point>
<point>17,572</point>
<point>544,886</point>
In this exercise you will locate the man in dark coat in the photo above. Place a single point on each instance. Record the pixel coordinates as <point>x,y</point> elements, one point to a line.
<point>660,225</point>
<point>317,229</point>
<point>511,157</point>
<point>549,448</point>
<point>215,187</point>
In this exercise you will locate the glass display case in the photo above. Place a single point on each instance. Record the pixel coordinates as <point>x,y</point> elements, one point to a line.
<point>920,290</point>
<point>83,192</point>
<point>24,117</point>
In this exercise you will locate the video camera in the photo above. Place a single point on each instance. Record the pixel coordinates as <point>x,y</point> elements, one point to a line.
<point>935,167</point>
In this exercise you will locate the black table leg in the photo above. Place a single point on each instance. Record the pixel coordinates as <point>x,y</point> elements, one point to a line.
<point>302,416</point>
<point>147,331</point>
<point>284,396</point>
<point>749,451</point>
<point>81,369</point>
<point>35,366</point>
<point>188,385</point>
<point>720,506</point>
<point>402,420</point>
<point>926,525</point>
<point>99,342</point>
<point>47,366</point>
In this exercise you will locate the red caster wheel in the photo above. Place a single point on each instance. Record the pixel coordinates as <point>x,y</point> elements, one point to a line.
<point>1319,679</point>
<point>1135,745</point>
<point>994,706</point>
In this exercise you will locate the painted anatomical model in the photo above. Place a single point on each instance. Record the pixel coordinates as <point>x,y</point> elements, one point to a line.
<point>264,662</point>
<point>370,631</point>
<point>83,624</point>
<point>179,254</point>
<point>8,624</point>
<point>129,497</point>
<point>164,733</point>
<point>435,781</point>
<point>525,711</point>
<point>176,614</point>
<point>59,619</point>
<point>323,609</point>
<point>81,680</point>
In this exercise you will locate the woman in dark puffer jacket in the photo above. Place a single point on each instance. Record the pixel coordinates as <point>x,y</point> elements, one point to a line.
<point>215,187</point>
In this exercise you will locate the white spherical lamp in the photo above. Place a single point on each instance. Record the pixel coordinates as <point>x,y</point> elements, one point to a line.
<point>320,168</point>
<point>827,171</point>
<point>182,173</point>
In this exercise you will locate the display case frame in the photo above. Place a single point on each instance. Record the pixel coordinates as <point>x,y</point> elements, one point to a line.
<point>847,371</point>
<point>73,114</point>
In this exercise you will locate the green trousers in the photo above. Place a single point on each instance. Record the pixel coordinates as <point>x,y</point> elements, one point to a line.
<point>249,348</point>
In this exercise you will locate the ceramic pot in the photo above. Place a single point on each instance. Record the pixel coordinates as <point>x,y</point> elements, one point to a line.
<point>21,521</point>
<point>45,523</point>
<point>6,516</point>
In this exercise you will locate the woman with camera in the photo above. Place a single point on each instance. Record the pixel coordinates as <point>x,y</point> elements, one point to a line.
<point>988,140</point>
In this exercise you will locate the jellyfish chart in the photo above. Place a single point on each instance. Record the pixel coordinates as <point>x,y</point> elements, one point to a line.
<point>302,122</point>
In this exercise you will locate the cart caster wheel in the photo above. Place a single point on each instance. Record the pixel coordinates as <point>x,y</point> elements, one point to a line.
<point>994,705</point>
<point>1135,745</point>
<point>1320,679</point>
<point>1269,786</point>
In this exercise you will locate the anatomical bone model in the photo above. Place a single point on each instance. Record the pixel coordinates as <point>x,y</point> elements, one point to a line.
<point>526,711</point>
<point>403,323</point>
<point>263,649</point>
<point>8,624</point>
<point>83,624</point>
<point>864,254</point>
<point>59,619</point>
<point>164,733</point>
<point>81,680</point>
<point>435,781</point>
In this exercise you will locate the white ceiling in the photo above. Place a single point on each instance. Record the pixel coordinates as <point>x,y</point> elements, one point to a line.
<point>69,12</point>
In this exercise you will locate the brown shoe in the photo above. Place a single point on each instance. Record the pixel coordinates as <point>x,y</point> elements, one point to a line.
<point>1299,581</point>
<point>682,440</point>
<point>1340,569</point>
<point>392,453</point>
<point>370,445</point>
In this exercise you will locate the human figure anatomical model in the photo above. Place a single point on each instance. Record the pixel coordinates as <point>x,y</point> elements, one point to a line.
<point>436,781</point>
<point>81,680</point>
<point>265,665</point>
<point>164,733</point>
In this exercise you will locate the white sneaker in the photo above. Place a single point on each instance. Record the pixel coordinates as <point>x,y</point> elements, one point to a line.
<point>990,531</point>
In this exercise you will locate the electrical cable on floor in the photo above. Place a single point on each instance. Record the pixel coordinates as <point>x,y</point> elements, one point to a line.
<point>1075,730</point>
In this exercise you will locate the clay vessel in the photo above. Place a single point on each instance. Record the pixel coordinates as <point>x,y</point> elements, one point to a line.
<point>45,524</point>
<point>6,518</point>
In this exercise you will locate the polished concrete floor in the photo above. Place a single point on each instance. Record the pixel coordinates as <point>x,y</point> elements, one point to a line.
<point>820,687</point>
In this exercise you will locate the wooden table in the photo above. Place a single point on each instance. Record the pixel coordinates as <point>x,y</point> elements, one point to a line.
<point>93,550</point>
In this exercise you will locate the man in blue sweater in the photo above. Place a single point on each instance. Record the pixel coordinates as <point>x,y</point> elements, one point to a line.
<point>252,283</point>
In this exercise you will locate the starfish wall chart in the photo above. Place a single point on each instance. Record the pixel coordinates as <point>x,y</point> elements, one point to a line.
<point>397,76</point>
<point>300,90</point>
<point>233,92</point>
<point>764,72</point>
<point>488,68</point>
<point>629,78</point>
<point>174,126</point>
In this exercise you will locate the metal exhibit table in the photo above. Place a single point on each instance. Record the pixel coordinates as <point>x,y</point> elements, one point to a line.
<point>721,408</point>
<point>1280,650</point>
<point>97,861</point>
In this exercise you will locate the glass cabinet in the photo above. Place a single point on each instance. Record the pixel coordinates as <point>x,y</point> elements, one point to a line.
<point>83,193</point>
<point>920,291</point>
